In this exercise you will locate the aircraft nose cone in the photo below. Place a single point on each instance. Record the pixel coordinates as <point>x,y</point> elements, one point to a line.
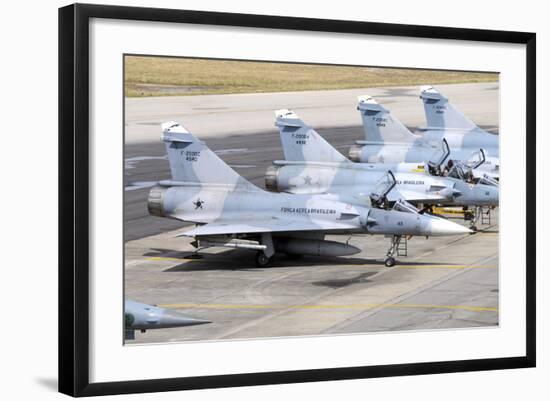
<point>494,194</point>
<point>174,319</point>
<point>441,227</point>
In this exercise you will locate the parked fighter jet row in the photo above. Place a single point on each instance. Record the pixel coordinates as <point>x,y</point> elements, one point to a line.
<point>316,191</point>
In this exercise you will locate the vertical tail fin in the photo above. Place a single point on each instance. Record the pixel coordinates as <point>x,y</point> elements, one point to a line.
<point>440,113</point>
<point>192,161</point>
<point>301,142</point>
<point>378,123</point>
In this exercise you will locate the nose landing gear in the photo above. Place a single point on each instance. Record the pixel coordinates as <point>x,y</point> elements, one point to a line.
<point>478,215</point>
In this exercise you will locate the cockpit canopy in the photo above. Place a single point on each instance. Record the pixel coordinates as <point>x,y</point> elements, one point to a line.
<point>404,206</point>
<point>379,194</point>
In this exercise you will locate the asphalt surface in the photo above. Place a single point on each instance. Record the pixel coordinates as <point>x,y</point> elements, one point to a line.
<point>447,282</point>
<point>226,115</point>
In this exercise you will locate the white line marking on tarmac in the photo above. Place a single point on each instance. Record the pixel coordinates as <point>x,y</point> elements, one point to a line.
<point>131,161</point>
<point>230,151</point>
<point>140,185</point>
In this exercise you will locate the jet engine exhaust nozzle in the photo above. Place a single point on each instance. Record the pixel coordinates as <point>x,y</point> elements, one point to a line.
<point>272,178</point>
<point>155,201</point>
<point>355,153</point>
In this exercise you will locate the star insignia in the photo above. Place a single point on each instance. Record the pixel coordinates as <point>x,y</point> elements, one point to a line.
<point>198,204</point>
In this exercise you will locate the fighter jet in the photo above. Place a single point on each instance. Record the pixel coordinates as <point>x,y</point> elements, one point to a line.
<point>143,317</point>
<point>312,165</point>
<point>387,140</point>
<point>231,212</point>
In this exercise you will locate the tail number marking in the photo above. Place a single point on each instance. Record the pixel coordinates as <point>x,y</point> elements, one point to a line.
<point>192,156</point>
<point>440,109</point>
<point>380,121</point>
<point>300,139</point>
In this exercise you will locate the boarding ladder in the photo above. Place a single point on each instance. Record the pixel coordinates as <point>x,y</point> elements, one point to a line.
<point>402,247</point>
<point>486,216</point>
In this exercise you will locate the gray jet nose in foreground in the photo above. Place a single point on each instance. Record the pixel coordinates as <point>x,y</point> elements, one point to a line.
<point>174,319</point>
<point>141,316</point>
<point>393,222</point>
<point>434,226</point>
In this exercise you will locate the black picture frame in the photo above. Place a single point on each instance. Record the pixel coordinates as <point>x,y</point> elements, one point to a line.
<point>74,198</point>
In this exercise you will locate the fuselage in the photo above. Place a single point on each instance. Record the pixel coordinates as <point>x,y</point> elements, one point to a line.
<point>355,181</point>
<point>214,203</point>
<point>462,144</point>
<point>363,179</point>
<point>459,139</point>
<point>209,203</point>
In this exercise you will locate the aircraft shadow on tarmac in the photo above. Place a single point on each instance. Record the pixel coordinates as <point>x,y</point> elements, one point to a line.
<point>233,259</point>
<point>345,282</point>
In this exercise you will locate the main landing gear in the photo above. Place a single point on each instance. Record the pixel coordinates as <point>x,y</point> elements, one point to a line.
<point>262,260</point>
<point>265,257</point>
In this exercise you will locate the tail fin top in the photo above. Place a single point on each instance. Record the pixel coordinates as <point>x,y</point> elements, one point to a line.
<point>174,132</point>
<point>191,161</point>
<point>367,102</point>
<point>429,92</point>
<point>301,142</point>
<point>378,123</point>
<point>440,113</point>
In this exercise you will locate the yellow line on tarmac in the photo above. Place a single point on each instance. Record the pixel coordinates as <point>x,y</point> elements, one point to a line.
<point>446,267</point>
<point>219,306</point>
<point>356,306</point>
<point>459,307</point>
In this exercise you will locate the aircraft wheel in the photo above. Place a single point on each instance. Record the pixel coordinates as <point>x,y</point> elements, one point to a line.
<point>262,260</point>
<point>389,262</point>
<point>473,228</point>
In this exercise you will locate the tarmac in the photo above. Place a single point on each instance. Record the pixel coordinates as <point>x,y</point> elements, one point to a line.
<point>442,283</point>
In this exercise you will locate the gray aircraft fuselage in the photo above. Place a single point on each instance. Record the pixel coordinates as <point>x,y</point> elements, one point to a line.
<point>207,203</point>
<point>461,145</point>
<point>357,180</point>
